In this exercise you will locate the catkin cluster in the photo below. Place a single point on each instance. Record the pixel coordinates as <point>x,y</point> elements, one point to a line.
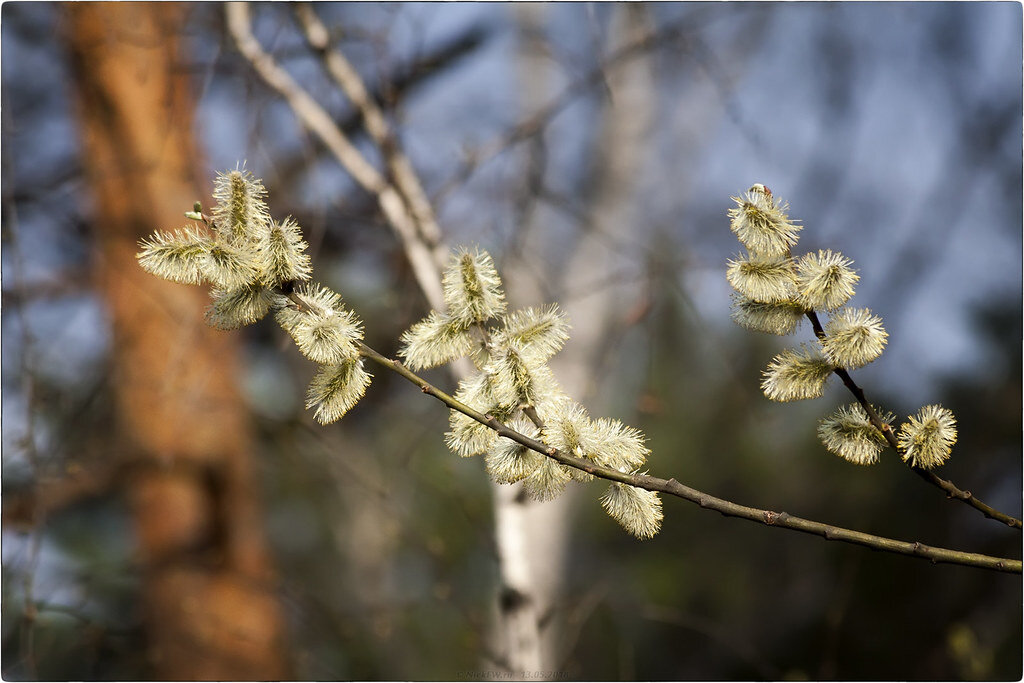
<point>513,383</point>
<point>256,265</point>
<point>774,293</point>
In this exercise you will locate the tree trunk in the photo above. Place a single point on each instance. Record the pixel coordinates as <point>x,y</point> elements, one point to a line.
<point>534,537</point>
<point>208,596</point>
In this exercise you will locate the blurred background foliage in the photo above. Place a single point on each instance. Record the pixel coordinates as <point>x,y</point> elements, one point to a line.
<point>893,129</point>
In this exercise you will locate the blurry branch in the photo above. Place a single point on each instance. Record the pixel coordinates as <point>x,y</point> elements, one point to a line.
<point>27,508</point>
<point>72,282</point>
<point>725,638</point>
<point>890,437</point>
<point>402,173</point>
<point>399,82</point>
<point>727,508</point>
<point>423,257</point>
<point>596,77</point>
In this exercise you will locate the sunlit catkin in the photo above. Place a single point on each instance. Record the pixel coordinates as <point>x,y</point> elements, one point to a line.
<point>244,305</point>
<point>781,318</point>
<point>282,253</point>
<point>435,340</point>
<point>849,434</point>
<point>637,510</point>
<point>854,338</point>
<point>762,224</point>
<point>180,256</point>
<point>257,265</point>
<point>776,290</point>
<point>765,279</point>
<point>796,375</point>
<point>472,288</point>
<point>825,280</point>
<point>927,438</point>
<point>241,213</point>
<point>335,389</point>
<point>509,461</point>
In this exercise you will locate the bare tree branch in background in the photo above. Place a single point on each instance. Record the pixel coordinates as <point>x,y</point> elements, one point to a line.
<point>422,257</point>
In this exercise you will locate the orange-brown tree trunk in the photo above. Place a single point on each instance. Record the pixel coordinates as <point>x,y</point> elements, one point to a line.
<point>211,611</point>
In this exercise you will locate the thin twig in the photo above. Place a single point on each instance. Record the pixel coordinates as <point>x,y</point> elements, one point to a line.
<point>952,491</point>
<point>672,487</point>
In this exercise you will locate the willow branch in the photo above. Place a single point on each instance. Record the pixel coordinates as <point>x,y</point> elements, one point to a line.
<point>727,508</point>
<point>405,206</point>
<point>952,491</point>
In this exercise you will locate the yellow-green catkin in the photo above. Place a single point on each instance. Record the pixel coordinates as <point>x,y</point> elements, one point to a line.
<point>854,338</point>
<point>762,224</point>
<point>848,433</point>
<point>926,439</point>
<point>825,280</point>
<point>796,375</point>
<point>637,510</point>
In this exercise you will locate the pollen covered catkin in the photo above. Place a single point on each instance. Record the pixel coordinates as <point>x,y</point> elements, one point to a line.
<point>775,291</point>
<point>257,265</point>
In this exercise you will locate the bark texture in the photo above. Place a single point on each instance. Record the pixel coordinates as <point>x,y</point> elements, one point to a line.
<point>208,591</point>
